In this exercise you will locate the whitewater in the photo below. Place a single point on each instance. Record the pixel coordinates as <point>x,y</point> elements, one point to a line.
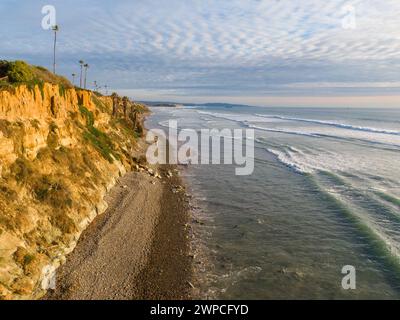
<point>325,193</point>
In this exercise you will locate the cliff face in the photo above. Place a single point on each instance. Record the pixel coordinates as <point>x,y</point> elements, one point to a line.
<point>60,151</point>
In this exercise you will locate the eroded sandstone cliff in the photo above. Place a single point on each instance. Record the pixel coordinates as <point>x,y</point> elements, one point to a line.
<point>60,151</point>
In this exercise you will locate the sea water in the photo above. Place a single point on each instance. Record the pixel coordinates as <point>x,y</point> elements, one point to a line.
<point>324,194</point>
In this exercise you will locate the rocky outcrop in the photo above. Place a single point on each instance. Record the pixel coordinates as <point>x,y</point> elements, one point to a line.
<point>41,102</point>
<point>60,151</point>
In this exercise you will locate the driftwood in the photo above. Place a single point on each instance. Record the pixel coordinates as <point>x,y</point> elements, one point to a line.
<point>4,78</point>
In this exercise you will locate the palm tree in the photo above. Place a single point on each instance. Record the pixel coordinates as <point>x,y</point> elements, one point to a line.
<point>81,62</point>
<point>86,67</point>
<point>55,29</point>
<point>73,78</point>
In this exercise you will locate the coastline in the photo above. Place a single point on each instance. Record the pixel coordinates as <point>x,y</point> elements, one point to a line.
<point>62,150</point>
<point>168,273</point>
<point>139,248</point>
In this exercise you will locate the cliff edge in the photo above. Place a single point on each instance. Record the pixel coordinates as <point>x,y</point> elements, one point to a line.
<point>61,149</point>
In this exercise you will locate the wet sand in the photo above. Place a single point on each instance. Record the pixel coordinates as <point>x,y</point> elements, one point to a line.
<point>138,249</point>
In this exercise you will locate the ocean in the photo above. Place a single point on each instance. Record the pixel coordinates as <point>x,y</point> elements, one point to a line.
<point>324,194</point>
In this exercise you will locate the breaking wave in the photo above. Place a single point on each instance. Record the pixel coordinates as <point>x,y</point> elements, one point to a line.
<point>286,159</point>
<point>334,124</point>
<point>283,131</point>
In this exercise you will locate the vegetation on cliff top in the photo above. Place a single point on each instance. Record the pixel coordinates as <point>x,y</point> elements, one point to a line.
<point>15,73</point>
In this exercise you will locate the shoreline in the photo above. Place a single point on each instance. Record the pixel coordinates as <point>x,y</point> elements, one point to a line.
<point>169,271</point>
<point>139,248</point>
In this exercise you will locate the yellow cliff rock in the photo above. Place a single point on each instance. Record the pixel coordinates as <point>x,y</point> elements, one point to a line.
<point>60,151</point>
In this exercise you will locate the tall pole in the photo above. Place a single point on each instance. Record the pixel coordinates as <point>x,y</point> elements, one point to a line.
<point>85,77</point>
<point>80,80</point>
<point>54,53</point>
<point>55,29</point>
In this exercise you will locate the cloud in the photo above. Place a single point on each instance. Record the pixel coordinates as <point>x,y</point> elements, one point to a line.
<point>210,47</point>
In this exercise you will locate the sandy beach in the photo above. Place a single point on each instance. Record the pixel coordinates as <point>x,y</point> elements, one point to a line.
<point>137,249</point>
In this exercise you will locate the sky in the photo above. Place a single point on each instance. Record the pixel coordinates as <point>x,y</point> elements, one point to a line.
<point>259,52</point>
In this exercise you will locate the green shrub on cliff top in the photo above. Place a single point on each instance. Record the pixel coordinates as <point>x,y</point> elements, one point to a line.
<point>14,73</point>
<point>19,71</point>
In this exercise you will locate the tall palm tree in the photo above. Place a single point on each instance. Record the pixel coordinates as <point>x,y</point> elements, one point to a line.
<point>55,28</point>
<point>81,62</point>
<point>86,67</point>
<point>73,78</point>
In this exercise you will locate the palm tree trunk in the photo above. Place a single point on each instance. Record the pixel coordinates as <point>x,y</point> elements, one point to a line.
<point>85,77</point>
<point>80,80</point>
<point>54,52</point>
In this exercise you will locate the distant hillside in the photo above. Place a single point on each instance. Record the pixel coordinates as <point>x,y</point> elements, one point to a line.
<point>178,104</point>
<point>163,104</point>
